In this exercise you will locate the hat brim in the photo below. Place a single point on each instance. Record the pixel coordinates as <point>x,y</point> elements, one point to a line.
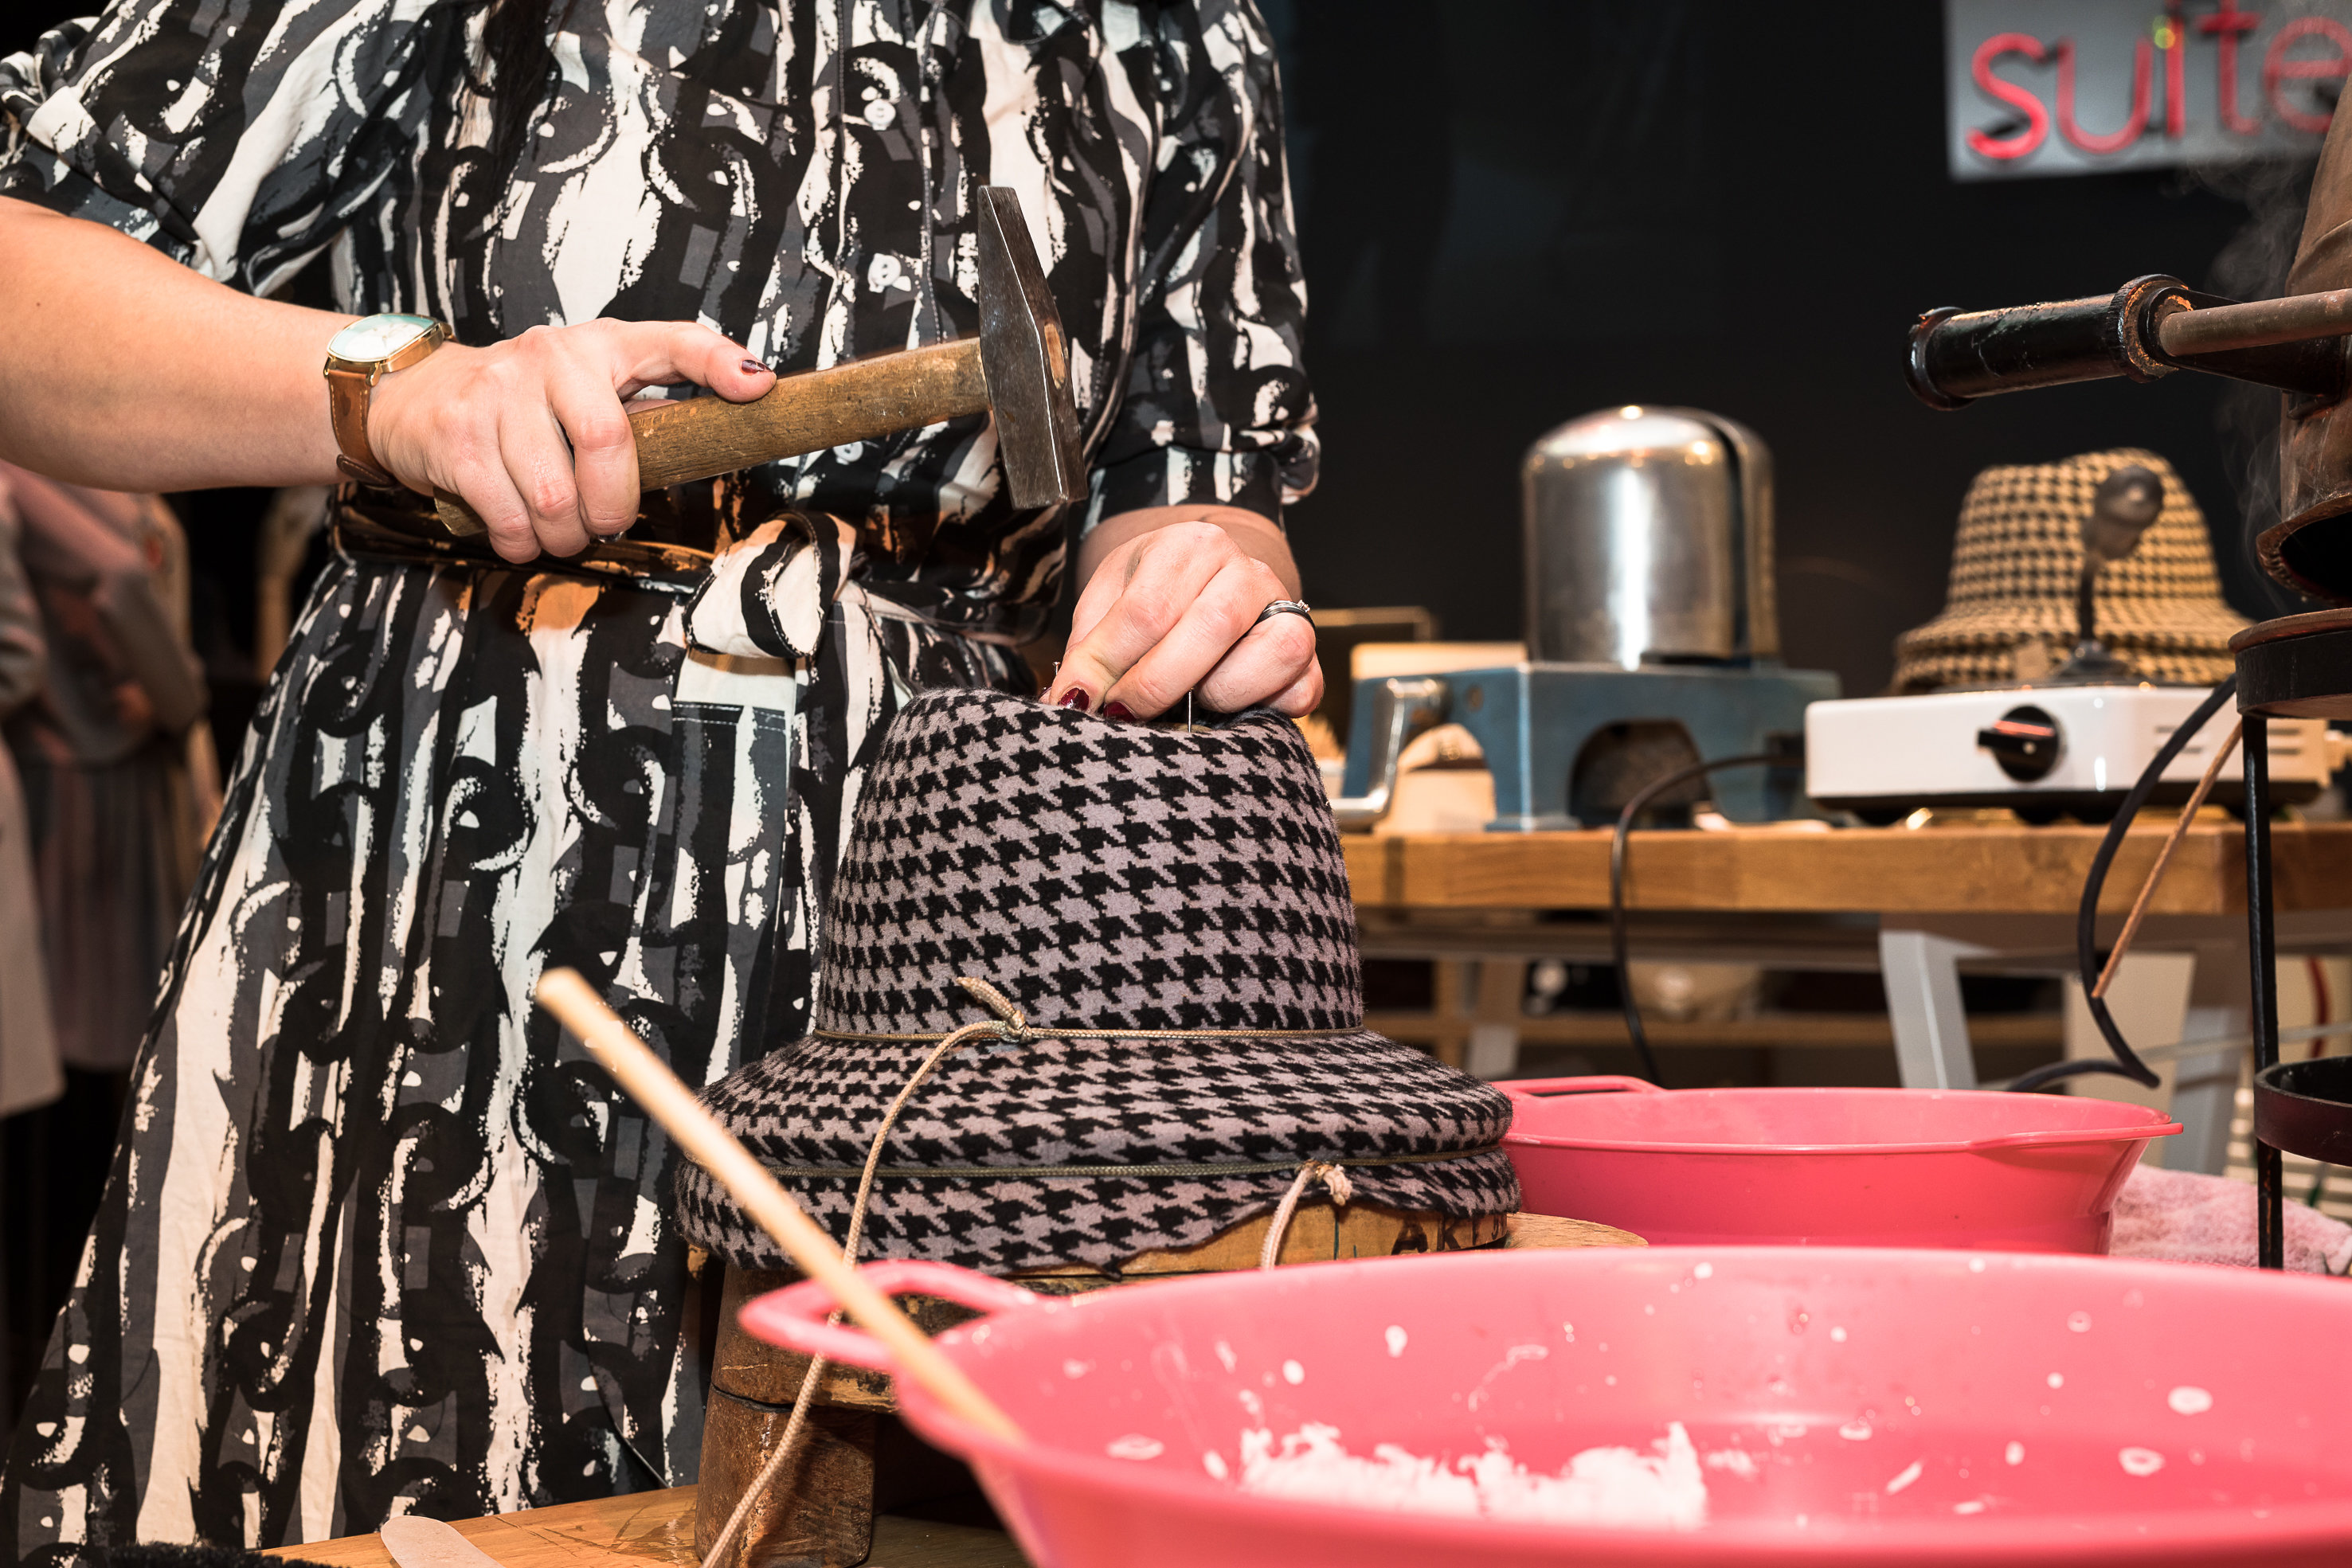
<point>1057,1151</point>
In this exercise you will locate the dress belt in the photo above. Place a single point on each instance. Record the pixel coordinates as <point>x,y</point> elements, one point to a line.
<point>416,538</point>
<point>388,533</point>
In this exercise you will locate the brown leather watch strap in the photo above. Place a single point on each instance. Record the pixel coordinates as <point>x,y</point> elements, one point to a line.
<point>347,408</point>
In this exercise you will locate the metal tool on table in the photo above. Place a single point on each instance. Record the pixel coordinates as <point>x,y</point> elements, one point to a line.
<point>414,1542</point>
<point>1017,370</point>
<point>1653,638</point>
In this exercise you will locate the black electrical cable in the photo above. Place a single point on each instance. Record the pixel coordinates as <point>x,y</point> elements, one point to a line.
<point>1635,808</point>
<point>2126,1062</point>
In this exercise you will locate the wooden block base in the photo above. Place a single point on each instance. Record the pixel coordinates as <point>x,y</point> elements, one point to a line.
<point>819,1513</point>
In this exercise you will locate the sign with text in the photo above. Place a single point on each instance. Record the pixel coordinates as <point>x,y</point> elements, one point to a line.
<point>2081,87</point>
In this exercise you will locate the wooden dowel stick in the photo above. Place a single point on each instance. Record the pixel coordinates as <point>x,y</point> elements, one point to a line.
<point>648,1081</point>
<point>2164,859</point>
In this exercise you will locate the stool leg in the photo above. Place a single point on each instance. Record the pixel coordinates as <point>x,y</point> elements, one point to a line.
<point>2262,958</point>
<point>1921,972</point>
<point>819,1513</point>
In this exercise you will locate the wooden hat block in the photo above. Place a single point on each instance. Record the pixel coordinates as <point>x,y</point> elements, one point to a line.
<point>856,1460</point>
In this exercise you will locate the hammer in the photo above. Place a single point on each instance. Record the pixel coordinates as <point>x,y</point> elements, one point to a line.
<point>1017,370</point>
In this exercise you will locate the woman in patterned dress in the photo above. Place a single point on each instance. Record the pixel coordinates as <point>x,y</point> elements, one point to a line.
<point>378,1240</point>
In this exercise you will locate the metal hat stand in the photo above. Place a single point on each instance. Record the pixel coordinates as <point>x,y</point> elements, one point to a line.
<point>2299,666</point>
<point>2296,668</point>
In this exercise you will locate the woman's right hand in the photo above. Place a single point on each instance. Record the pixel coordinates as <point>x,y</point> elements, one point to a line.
<point>533,432</point>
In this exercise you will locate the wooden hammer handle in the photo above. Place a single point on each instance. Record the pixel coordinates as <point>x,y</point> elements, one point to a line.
<point>811,412</point>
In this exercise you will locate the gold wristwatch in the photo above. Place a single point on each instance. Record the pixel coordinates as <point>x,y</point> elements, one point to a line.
<point>369,349</point>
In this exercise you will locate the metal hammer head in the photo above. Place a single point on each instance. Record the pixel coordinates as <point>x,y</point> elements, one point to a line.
<point>1026,360</point>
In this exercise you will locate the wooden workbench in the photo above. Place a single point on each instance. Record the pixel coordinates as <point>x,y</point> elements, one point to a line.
<point>649,1529</point>
<point>1966,867</point>
<point>1914,905</point>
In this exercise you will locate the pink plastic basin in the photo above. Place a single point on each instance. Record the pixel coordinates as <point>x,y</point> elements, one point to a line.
<point>1860,1167</point>
<point>1893,1407</point>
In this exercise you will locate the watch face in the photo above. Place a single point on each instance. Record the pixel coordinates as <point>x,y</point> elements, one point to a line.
<point>375,337</point>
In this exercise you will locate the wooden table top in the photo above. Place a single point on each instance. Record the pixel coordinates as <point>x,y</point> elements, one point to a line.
<point>1963,867</point>
<point>656,1530</point>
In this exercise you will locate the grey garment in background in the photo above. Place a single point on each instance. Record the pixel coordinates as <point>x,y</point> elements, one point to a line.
<point>29,1072</point>
<point>115,825</point>
<point>121,670</point>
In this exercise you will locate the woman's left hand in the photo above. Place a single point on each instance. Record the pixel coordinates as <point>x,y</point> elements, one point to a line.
<point>1171,603</point>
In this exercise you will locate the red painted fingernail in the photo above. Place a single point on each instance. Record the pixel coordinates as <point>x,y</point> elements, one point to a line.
<point>754,367</point>
<point>1077,697</point>
<point>1117,710</point>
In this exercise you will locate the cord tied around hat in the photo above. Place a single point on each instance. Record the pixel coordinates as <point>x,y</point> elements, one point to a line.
<point>1013,1026</point>
<point>1334,1177</point>
<point>1009,1026</point>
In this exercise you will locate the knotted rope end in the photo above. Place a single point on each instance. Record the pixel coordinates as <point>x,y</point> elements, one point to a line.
<point>1334,1177</point>
<point>995,1001</point>
<point>1335,1182</point>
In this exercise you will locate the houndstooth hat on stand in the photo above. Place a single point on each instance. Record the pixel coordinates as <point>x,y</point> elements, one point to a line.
<point>2010,614</point>
<point>1101,876</point>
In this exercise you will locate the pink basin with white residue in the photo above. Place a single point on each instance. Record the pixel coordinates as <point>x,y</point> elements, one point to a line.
<point>1851,1406</point>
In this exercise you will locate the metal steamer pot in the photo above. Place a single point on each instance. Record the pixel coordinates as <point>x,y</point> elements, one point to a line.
<point>1649,541</point>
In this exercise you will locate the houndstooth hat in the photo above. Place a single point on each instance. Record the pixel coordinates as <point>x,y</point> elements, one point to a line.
<point>2010,615</point>
<point>1107,876</point>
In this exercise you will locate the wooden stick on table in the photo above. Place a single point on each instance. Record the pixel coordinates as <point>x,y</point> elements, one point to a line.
<point>648,1081</point>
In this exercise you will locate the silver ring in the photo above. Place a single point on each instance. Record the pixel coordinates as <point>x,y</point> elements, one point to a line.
<point>1284,607</point>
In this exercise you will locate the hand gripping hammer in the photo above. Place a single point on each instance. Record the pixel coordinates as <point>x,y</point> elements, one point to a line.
<point>1017,370</point>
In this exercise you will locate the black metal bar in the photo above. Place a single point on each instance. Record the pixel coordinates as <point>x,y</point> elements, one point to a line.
<point>2261,961</point>
<point>1959,356</point>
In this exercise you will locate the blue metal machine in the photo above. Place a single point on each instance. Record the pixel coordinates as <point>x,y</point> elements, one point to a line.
<point>1653,639</point>
<point>1540,723</point>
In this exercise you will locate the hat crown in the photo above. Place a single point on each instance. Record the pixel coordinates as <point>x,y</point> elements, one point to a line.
<point>2017,560</point>
<point>1101,875</point>
<point>2021,538</point>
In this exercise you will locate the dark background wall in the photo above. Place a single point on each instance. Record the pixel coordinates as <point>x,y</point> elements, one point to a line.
<point>1517,211</point>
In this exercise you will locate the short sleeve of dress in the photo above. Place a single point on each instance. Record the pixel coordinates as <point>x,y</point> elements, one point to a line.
<point>1217,406</point>
<point>237,136</point>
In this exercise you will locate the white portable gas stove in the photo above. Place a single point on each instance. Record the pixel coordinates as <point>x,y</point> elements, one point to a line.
<point>2043,752</point>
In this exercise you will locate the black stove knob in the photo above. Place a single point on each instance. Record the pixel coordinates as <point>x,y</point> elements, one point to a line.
<point>2025,741</point>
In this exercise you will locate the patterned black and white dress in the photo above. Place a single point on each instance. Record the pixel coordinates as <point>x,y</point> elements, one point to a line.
<point>378,1241</point>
